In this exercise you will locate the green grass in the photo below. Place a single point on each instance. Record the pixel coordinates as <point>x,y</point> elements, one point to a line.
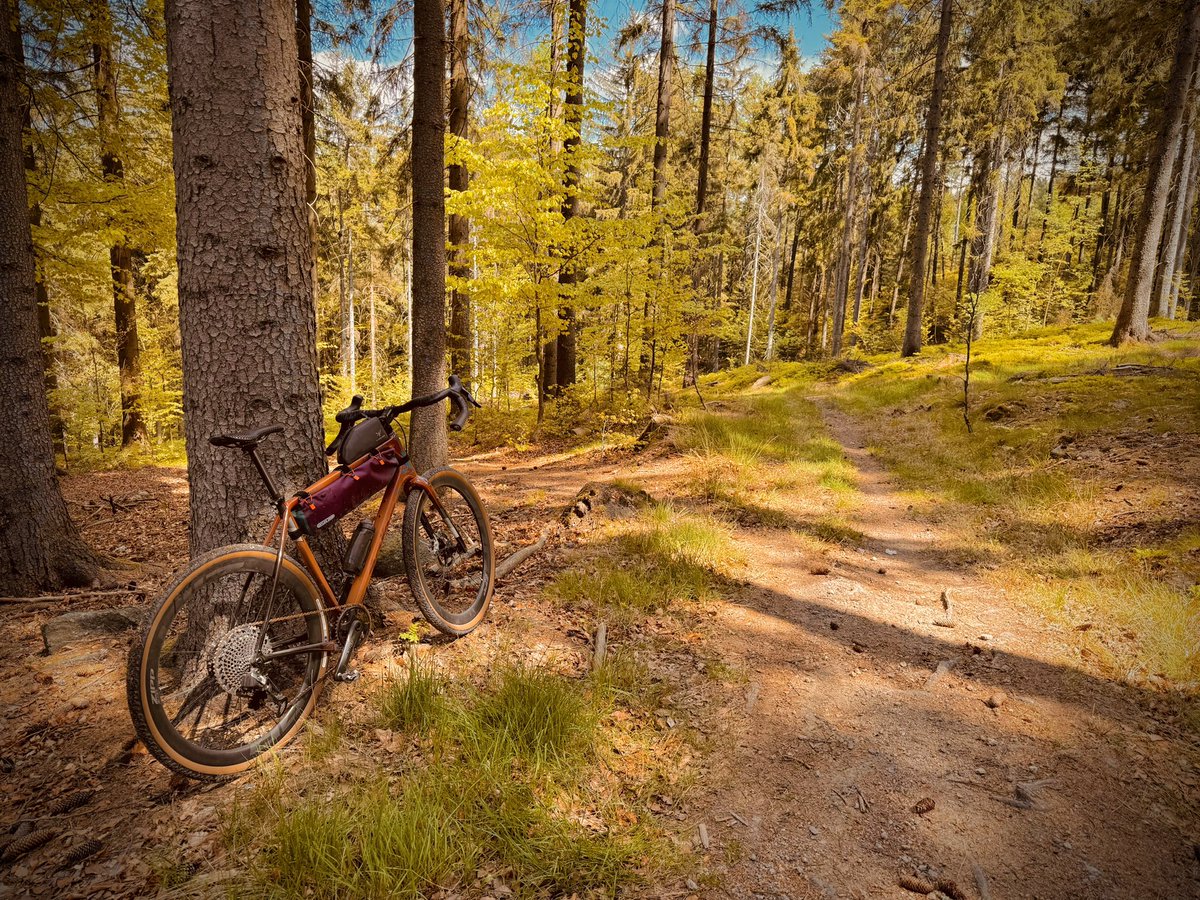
<point>1001,491</point>
<point>751,461</point>
<point>509,786</point>
<point>662,559</point>
<point>412,702</point>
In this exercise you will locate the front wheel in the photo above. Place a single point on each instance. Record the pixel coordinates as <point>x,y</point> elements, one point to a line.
<point>229,663</point>
<point>448,553</point>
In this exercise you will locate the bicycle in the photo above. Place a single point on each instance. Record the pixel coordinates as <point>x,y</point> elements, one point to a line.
<point>231,661</point>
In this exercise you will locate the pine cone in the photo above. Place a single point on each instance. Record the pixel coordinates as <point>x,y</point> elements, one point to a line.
<point>950,889</point>
<point>915,884</point>
<point>82,851</point>
<point>31,841</point>
<point>68,802</point>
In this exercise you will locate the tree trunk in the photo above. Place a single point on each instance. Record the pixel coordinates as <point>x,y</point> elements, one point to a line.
<point>1133,319</point>
<point>1055,145</point>
<point>662,116</point>
<point>791,276</point>
<point>933,125</point>
<point>568,276</point>
<point>706,114</point>
<point>308,123</point>
<point>983,244</point>
<point>46,332</point>
<point>1160,302</point>
<point>429,444</point>
<point>133,426</point>
<point>459,338</point>
<point>1182,233</point>
<point>247,317</point>
<point>841,288</point>
<point>1102,232</point>
<point>39,546</point>
<point>1037,150</point>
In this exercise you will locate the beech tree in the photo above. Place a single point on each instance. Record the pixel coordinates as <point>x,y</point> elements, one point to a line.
<point>39,546</point>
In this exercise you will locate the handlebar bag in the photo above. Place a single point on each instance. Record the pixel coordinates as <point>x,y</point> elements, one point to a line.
<point>351,489</point>
<point>367,435</point>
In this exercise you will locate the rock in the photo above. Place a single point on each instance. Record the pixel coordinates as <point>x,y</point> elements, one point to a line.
<point>985,637</point>
<point>89,624</point>
<point>762,382</point>
<point>692,885</point>
<point>996,700</point>
<point>814,830</point>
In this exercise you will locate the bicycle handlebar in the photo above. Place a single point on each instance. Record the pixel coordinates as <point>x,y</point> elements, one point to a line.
<point>456,393</point>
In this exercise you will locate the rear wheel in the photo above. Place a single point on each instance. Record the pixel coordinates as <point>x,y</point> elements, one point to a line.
<point>448,553</point>
<point>201,697</point>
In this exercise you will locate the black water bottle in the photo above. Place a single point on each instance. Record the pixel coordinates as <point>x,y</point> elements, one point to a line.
<point>360,544</point>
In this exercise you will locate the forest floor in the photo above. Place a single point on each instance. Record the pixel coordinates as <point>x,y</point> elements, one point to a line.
<point>796,713</point>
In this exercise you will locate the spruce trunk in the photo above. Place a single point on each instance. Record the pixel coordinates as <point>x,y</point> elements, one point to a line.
<point>247,317</point>
<point>429,444</point>
<point>39,546</point>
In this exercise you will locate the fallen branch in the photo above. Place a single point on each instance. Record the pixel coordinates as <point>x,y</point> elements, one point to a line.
<point>48,598</point>
<point>510,562</point>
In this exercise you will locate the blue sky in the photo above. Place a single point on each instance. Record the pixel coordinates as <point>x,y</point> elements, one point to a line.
<point>811,25</point>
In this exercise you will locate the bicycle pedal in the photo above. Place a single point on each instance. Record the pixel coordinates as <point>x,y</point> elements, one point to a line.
<point>348,677</point>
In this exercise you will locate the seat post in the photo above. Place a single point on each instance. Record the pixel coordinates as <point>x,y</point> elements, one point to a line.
<point>276,497</point>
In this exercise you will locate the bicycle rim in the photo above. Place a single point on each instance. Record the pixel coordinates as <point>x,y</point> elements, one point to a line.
<point>211,708</point>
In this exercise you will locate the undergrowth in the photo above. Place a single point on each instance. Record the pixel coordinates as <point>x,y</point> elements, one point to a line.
<point>505,795</point>
<point>663,559</point>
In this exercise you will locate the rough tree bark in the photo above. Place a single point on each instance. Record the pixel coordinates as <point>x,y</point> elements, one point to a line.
<point>568,276</point>
<point>1133,322</point>
<point>459,338</point>
<point>39,546</point>
<point>429,446</point>
<point>247,317</point>
<point>1160,302</point>
<point>46,331</point>
<point>929,160</point>
<point>120,254</point>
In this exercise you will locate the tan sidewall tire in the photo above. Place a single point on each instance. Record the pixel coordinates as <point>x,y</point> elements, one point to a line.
<point>139,659</point>
<point>409,544</point>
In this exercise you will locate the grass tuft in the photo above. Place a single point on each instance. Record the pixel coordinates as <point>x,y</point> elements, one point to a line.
<point>412,702</point>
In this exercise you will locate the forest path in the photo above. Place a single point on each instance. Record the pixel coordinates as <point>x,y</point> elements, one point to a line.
<point>1054,782</point>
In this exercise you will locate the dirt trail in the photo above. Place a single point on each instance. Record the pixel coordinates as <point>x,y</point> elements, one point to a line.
<point>846,727</point>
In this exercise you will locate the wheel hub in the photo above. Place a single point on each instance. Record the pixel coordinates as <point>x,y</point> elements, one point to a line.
<point>234,655</point>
